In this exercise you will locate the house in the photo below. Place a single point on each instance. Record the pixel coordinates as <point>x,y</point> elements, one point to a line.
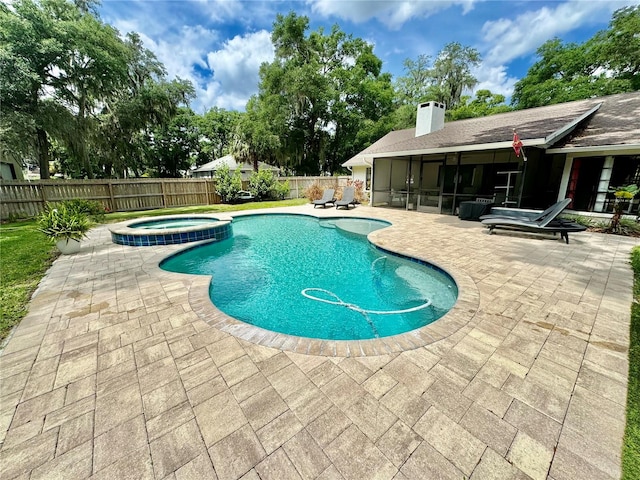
<point>577,149</point>
<point>10,168</point>
<point>246,168</point>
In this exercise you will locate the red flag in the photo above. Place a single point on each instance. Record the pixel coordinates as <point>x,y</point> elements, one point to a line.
<point>517,144</point>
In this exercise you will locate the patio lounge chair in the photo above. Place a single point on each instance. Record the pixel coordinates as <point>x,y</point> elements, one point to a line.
<point>348,198</point>
<point>546,222</point>
<point>327,197</point>
<point>564,203</point>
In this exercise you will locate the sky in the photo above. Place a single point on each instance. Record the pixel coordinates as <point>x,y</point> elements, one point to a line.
<point>219,45</point>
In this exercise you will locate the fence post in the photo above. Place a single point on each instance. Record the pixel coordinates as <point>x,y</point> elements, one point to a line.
<point>43,195</point>
<point>164,194</point>
<point>112,200</point>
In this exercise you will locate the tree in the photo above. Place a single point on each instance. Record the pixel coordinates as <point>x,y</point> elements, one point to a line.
<point>365,94</point>
<point>130,120</point>
<point>63,62</point>
<point>93,68</point>
<point>414,86</point>
<point>317,92</point>
<point>217,128</point>
<point>607,63</point>
<point>452,73</point>
<point>618,48</point>
<point>30,35</point>
<point>485,103</point>
<point>70,80</point>
<point>253,138</point>
<point>175,144</point>
<point>444,82</point>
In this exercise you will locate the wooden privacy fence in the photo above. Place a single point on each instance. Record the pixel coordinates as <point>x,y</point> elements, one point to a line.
<point>19,199</point>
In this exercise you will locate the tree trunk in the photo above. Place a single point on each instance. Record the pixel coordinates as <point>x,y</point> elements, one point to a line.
<point>617,215</point>
<point>43,153</point>
<point>82,136</point>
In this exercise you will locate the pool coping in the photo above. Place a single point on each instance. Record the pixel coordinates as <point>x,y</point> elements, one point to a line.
<point>460,315</point>
<point>124,228</point>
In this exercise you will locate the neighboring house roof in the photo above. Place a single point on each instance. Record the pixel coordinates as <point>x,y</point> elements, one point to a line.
<point>233,165</point>
<point>537,127</point>
<point>10,169</point>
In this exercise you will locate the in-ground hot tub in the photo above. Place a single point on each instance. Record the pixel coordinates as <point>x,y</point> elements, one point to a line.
<point>170,230</point>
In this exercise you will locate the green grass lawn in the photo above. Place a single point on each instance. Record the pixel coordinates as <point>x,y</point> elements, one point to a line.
<point>631,449</point>
<point>25,255</point>
<point>218,208</point>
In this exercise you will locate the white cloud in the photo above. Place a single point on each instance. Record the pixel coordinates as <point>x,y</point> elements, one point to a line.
<point>494,78</point>
<point>392,13</point>
<point>506,39</point>
<point>235,69</point>
<point>510,38</point>
<point>180,51</point>
<point>226,77</point>
<point>221,10</point>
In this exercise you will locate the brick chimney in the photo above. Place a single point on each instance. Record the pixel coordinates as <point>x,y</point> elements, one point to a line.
<point>430,118</point>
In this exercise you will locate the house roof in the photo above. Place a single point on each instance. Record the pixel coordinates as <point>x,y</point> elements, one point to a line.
<point>539,127</point>
<point>231,162</point>
<point>617,123</point>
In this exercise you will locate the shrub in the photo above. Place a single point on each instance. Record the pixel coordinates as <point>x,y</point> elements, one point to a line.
<point>360,195</point>
<point>282,189</point>
<point>93,208</point>
<point>61,222</point>
<point>262,184</point>
<point>601,225</point>
<point>631,444</point>
<point>579,219</point>
<point>625,226</point>
<point>227,185</point>
<point>313,192</point>
<point>629,227</point>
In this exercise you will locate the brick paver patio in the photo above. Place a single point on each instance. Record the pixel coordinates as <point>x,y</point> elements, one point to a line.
<point>115,372</point>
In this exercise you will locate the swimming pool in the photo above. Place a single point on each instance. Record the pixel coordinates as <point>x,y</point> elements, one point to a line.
<point>314,278</point>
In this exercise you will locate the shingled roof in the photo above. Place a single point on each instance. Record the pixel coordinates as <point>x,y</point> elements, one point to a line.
<point>233,165</point>
<point>617,122</point>
<point>540,127</point>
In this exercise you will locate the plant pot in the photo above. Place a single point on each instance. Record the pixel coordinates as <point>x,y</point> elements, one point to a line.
<point>68,246</point>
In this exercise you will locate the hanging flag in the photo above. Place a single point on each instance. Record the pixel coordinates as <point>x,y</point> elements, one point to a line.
<point>517,143</point>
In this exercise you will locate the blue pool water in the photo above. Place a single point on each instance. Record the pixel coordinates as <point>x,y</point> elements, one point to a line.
<point>173,223</point>
<point>317,278</point>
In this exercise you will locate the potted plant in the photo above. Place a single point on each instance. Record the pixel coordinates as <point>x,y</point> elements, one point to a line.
<point>64,226</point>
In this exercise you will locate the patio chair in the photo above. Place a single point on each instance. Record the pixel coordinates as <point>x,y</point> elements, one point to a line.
<point>564,203</point>
<point>545,222</point>
<point>327,197</point>
<point>348,198</point>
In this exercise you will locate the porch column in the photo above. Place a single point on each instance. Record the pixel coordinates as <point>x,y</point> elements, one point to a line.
<point>566,176</point>
<point>370,184</point>
<point>603,186</point>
